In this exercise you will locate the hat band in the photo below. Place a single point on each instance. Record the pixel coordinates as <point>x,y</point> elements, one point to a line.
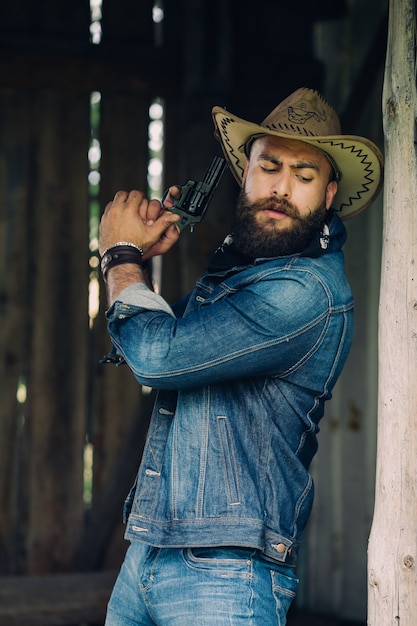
<point>337,172</point>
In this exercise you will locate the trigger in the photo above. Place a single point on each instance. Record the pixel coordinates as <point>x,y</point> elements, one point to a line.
<point>164,196</point>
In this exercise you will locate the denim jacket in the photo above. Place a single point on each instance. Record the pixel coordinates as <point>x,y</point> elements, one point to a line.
<point>243,372</point>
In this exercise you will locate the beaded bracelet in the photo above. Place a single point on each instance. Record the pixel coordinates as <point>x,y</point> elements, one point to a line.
<point>122,252</point>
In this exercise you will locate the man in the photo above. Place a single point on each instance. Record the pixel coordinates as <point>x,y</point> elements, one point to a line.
<point>243,366</point>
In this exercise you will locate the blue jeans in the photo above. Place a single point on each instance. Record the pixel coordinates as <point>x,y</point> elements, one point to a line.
<point>201,587</point>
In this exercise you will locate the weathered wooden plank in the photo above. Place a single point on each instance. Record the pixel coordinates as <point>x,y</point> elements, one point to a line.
<point>364,84</point>
<point>124,159</point>
<point>392,573</point>
<point>14,311</point>
<point>56,600</point>
<point>119,408</point>
<point>57,380</point>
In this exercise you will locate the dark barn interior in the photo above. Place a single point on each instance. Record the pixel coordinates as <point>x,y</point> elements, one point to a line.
<point>71,429</point>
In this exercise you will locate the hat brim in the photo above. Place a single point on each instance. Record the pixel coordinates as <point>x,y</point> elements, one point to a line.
<point>358,159</point>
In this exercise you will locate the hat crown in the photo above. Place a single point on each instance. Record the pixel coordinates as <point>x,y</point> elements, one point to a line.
<point>304,113</point>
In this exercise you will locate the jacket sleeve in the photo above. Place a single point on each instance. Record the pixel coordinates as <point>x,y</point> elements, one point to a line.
<point>266,328</point>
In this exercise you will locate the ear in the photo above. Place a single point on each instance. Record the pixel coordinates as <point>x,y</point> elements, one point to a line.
<point>331,191</point>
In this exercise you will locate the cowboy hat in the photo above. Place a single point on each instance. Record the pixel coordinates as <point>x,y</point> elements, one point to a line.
<point>306,116</point>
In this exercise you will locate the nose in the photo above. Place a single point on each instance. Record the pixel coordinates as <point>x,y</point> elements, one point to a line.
<point>281,185</point>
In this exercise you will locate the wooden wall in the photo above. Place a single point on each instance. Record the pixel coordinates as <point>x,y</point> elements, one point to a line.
<point>344,468</point>
<point>47,72</point>
<point>47,349</point>
<point>211,52</point>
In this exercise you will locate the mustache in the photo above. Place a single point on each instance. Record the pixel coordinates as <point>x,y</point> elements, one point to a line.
<point>278,204</point>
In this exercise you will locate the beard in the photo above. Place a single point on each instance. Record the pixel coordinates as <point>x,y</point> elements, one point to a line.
<point>265,240</point>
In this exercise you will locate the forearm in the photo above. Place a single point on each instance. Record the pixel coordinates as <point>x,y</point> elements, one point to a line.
<point>248,333</point>
<point>122,276</point>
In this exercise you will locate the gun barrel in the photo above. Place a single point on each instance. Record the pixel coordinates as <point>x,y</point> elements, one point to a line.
<point>196,196</point>
<point>215,170</point>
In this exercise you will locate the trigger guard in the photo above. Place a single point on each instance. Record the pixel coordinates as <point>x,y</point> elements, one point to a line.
<point>166,193</point>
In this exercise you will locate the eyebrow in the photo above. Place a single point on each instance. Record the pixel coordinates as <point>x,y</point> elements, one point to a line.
<point>299,165</point>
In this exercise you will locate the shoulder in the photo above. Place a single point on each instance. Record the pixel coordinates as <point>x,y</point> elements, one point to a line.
<point>301,281</point>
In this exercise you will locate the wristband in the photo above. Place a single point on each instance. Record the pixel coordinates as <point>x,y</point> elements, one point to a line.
<point>123,243</point>
<point>120,253</point>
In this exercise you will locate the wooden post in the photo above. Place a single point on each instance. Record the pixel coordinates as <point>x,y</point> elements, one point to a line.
<point>392,565</point>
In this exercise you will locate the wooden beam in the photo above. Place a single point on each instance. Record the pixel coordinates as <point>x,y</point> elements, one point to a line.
<point>392,563</point>
<point>88,69</point>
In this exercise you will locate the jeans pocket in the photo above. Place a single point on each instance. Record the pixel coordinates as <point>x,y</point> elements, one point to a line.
<point>283,589</point>
<point>225,561</point>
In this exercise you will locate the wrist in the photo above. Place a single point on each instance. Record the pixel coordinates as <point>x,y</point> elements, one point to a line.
<point>120,277</point>
<point>119,254</point>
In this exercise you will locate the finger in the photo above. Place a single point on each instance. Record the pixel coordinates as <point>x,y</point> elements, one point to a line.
<point>134,198</point>
<point>119,197</point>
<point>172,233</point>
<point>165,243</point>
<point>174,192</point>
<point>154,211</point>
<point>137,204</point>
<point>167,219</point>
<point>108,207</point>
<point>158,229</point>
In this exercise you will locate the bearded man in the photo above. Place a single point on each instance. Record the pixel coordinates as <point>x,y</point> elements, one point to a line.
<point>243,367</point>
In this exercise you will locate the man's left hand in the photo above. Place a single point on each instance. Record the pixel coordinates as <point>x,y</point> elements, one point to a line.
<point>132,218</point>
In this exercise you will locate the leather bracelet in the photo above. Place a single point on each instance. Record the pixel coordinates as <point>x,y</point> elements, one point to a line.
<point>119,254</point>
<point>123,243</point>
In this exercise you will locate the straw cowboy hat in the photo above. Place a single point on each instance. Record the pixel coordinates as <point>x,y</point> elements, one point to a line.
<point>305,115</point>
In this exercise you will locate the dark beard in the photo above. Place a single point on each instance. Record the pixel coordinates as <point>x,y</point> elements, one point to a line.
<point>260,241</point>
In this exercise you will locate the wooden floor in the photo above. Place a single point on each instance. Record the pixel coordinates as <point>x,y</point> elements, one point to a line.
<point>55,600</point>
<point>297,618</point>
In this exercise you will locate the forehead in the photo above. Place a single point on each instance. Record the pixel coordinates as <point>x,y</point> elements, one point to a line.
<point>279,148</point>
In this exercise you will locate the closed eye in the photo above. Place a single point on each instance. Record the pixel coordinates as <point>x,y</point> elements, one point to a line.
<point>305,171</point>
<point>269,170</point>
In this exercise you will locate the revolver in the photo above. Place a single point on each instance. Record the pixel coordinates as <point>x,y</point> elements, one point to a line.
<point>195,197</point>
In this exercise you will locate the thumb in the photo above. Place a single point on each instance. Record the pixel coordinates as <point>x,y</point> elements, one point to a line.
<point>158,228</point>
<point>168,218</point>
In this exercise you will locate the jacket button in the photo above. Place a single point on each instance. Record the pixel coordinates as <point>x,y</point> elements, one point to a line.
<point>280,548</point>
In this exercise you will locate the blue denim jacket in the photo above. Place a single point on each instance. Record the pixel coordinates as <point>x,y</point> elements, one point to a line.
<point>243,373</point>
